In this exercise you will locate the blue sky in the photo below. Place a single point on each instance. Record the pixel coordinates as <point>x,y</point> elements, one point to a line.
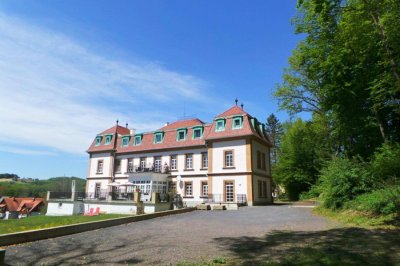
<point>69,69</point>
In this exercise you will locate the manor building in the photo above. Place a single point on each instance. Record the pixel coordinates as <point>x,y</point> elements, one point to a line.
<point>226,161</point>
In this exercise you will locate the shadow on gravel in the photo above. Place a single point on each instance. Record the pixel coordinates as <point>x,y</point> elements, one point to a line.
<point>341,246</point>
<point>70,252</point>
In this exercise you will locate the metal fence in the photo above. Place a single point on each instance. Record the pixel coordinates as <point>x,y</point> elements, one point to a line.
<point>60,195</point>
<point>223,198</point>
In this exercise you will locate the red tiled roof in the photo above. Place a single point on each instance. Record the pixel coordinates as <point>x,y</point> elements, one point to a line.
<point>235,110</point>
<point>183,124</point>
<point>169,141</point>
<point>119,129</point>
<point>170,132</point>
<point>18,204</point>
<point>102,147</point>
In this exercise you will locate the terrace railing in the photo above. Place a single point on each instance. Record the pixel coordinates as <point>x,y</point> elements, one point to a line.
<point>223,198</point>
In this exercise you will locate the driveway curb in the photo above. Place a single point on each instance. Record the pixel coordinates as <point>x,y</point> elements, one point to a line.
<point>34,235</point>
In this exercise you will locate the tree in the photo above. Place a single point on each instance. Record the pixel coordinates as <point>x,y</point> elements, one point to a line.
<point>346,69</point>
<point>275,131</point>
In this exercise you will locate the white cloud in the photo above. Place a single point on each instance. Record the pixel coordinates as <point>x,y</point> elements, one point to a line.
<point>56,93</point>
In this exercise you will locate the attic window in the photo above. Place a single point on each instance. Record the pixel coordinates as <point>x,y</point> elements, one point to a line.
<point>158,137</point>
<point>125,141</point>
<point>181,134</point>
<point>138,140</point>
<point>108,139</point>
<point>237,122</point>
<point>98,140</point>
<point>197,132</point>
<point>220,125</point>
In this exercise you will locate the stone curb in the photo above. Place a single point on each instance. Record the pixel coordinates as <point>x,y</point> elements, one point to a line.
<point>34,235</point>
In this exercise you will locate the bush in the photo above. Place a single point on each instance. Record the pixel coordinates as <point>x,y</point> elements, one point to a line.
<point>385,162</point>
<point>342,180</point>
<point>382,201</point>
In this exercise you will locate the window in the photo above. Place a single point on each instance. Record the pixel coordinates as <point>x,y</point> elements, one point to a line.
<point>237,122</point>
<point>157,164</point>
<point>174,162</point>
<point>264,189</point>
<point>204,189</point>
<point>138,140</point>
<point>130,165</point>
<point>229,191</point>
<point>263,161</point>
<point>220,125</point>
<point>117,166</point>
<point>158,137</point>
<point>258,159</point>
<point>181,134</point>
<point>228,159</point>
<point>204,160</point>
<point>99,166</point>
<point>197,133</point>
<point>189,161</point>
<point>188,189</point>
<point>108,139</point>
<point>98,140</point>
<point>142,163</point>
<point>172,186</point>
<point>125,141</point>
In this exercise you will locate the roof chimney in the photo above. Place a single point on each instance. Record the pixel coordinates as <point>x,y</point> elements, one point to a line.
<point>126,125</point>
<point>133,131</point>
<point>166,124</point>
<point>236,101</point>
<point>117,122</point>
<point>242,106</point>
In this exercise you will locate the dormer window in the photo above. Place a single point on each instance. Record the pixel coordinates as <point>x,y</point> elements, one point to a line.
<point>197,133</point>
<point>237,122</point>
<point>125,141</point>
<point>138,140</point>
<point>98,140</point>
<point>108,139</point>
<point>181,134</point>
<point>158,137</point>
<point>220,125</point>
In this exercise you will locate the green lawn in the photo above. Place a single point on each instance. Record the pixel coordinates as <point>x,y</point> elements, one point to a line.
<point>40,222</point>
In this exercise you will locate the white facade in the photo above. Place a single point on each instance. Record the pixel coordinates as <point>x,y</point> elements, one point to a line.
<point>238,168</point>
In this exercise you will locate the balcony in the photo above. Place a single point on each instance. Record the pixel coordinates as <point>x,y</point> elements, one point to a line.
<point>149,168</point>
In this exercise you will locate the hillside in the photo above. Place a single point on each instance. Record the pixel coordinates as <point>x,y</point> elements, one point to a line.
<point>27,187</point>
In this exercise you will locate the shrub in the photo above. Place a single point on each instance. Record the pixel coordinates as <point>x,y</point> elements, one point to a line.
<point>342,180</point>
<point>385,162</point>
<point>382,201</point>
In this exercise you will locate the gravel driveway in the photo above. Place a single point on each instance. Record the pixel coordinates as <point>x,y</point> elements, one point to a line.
<point>194,236</point>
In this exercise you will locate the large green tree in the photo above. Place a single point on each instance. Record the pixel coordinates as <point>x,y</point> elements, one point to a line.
<point>347,70</point>
<point>275,131</point>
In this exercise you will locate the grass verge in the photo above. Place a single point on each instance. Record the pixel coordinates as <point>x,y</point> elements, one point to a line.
<point>41,222</point>
<point>360,219</point>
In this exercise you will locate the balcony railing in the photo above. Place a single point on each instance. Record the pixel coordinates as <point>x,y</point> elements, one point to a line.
<point>60,195</point>
<point>226,198</point>
<point>149,168</point>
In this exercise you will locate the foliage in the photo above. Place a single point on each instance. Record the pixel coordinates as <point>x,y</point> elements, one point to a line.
<point>301,156</point>
<point>385,162</point>
<point>342,180</point>
<point>41,222</point>
<point>274,129</point>
<point>39,188</point>
<point>347,70</point>
<point>383,201</point>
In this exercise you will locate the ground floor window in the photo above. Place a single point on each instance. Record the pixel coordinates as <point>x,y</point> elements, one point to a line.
<point>229,191</point>
<point>188,189</point>
<point>204,189</point>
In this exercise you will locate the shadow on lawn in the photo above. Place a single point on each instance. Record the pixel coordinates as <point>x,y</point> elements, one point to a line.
<point>342,246</point>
